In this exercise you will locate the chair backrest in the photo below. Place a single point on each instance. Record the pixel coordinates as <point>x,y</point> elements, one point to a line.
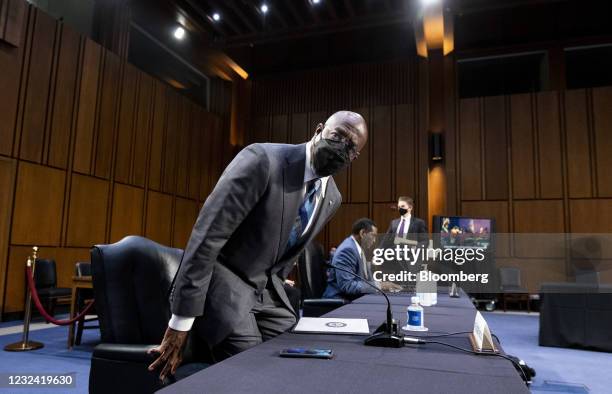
<point>312,271</point>
<point>45,275</point>
<point>510,277</point>
<point>82,268</point>
<point>131,281</point>
<point>586,276</point>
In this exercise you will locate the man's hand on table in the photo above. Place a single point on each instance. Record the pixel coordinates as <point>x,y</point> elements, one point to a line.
<point>390,286</point>
<point>170,352</point>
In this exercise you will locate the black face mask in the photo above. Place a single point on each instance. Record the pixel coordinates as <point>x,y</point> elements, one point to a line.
<point>329,157</point>
<point>402,211</point>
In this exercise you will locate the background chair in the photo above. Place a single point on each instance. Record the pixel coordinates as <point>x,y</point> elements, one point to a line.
<point>45,279</point>
<point>132,279</point>
<point>313,281</point>
<point>512,290</point>
<point>84,298</point>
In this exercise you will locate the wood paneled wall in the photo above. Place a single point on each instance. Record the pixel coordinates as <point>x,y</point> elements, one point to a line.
<point>287,108</point>
<point>92,150</point>
<point>538,163</point>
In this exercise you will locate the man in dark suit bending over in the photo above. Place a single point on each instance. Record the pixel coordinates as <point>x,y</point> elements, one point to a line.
<point>270,201</point>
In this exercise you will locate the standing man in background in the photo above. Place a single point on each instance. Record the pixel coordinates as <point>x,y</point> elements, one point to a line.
<point>408,226</point>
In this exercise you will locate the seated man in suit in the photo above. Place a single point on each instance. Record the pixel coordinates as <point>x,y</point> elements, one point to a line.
<point>350,256</point>
<point>408,226</point>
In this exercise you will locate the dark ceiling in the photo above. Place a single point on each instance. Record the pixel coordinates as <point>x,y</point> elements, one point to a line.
<point>297,34</point>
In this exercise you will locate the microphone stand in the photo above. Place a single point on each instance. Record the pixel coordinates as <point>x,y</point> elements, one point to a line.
<point>388,333</point>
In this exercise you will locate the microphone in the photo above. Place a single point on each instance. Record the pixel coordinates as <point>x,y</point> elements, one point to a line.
<point>387,334</point>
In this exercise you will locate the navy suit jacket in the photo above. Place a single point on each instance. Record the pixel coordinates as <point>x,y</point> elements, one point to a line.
<point>342,284</point>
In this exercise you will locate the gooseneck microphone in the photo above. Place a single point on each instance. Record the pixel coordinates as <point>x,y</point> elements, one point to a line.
<point>387,334</point>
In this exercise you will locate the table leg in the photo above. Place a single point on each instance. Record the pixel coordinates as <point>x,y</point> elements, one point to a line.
<point>72,314</point>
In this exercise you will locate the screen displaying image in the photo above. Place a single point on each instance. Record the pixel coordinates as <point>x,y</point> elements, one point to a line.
<point>462,232</point>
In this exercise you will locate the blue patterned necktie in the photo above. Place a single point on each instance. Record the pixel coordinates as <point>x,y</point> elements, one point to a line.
<point>304,213</point>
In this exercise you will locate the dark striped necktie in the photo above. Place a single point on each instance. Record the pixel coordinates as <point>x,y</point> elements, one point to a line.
<point>304,213</point>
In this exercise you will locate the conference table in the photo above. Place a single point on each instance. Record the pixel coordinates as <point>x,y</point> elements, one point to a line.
<point>356,368</point>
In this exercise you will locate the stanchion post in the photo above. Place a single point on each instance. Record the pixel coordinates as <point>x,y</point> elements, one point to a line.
<point>25,344</point>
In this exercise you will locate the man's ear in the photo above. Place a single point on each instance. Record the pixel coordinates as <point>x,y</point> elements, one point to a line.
<point>362,233</point>
<point>319,128</point>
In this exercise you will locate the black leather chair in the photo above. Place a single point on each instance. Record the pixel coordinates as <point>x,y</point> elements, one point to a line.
<point>313,281</point>
<point>132,280</point>
<point>84,298</point>
<point>45,279</point>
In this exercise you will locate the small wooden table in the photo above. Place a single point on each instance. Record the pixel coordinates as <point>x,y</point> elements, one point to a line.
<point>78,282</point>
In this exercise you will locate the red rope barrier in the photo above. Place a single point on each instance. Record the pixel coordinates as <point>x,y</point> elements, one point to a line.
<point>42,310</point>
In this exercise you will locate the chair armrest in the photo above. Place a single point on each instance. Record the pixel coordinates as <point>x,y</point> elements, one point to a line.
<point>326,302</point>
<point>124,352</point>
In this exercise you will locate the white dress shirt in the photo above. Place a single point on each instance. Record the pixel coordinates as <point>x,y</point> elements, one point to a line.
<point>406,219</point>
<point>184,323</point>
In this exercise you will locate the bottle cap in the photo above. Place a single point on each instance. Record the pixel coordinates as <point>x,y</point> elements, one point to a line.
<point>414,300</point>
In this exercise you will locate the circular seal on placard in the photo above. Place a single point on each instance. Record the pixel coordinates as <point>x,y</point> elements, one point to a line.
<point>336,324</point>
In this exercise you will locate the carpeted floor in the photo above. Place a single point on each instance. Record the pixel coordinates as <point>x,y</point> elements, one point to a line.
<point>558,370</point>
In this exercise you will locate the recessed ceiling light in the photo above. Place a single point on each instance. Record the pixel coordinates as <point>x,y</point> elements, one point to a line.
<point>316,1</point>
<point>264,8</point>
<point>216,16</point>
<point>179,33</point>
<point>429,2</point>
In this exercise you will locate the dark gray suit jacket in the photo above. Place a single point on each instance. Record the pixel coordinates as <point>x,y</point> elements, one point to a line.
<point>240,236</point>
<point>417,231</point>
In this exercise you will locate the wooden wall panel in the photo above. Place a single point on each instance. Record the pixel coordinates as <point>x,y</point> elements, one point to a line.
<point>11,66</point>
<point>159,218</point>
<point>37,88</point>
<point>536,271</point>
<point>382,146</point>
<point>591,216</point>
<point>81,134</point>
<point>470,157</point>
<point>360,170</point>
<point>384,213</point>
<point>405,151</point>
<point>8,169</point>
<point>342,223</point>
<point>86,115</point>
<point>185,214</point>
<point>158,137</point>
<point>12,21</point>
<point>109,97</point>
<point>142,132</point>
<point>184,135</point>
<point>495,148</point>
<point>523,149</point>
<point>280,128</point>
<point>171,143</point>
<point>300,130</point>
<point>260,131</point>
<point>39,200</point>
<point>602,110</point>
<point>87,211</point>
<point>63,103</point>
<point>125,132</point>
<point>549,145</point>
<point>127,212</point>
<point>578,145</point>
<point>539,225</point>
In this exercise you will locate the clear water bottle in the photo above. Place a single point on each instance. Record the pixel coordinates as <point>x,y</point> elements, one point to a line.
<point>426,290</point>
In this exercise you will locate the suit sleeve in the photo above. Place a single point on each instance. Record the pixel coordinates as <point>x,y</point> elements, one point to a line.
<point>348,284</point>
<point>423,233</point>
<point>238,190</point>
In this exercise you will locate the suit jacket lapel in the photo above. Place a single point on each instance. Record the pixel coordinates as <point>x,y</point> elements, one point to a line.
<point>293,187</point>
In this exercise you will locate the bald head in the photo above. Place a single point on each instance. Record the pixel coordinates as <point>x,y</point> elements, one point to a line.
<point>346,125</point>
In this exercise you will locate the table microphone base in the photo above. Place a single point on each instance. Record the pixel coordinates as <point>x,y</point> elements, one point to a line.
<point>385,337</point>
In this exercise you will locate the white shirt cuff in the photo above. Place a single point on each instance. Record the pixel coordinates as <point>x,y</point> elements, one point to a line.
<point>180,323</point>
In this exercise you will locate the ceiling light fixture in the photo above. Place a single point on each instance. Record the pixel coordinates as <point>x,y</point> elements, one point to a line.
<point>216,16</point>
<point>264,8</point>
<point>179,33</point>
